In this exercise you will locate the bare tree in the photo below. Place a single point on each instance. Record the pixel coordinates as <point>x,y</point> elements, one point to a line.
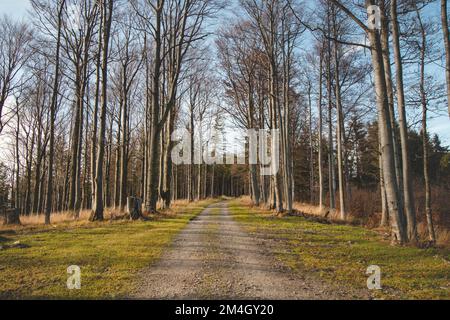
<point>444,19</point>
<point>14,50</point>
<point>385,128</point>
<point>107,7</point>
<point>423,47</point>
<point>408,196</point>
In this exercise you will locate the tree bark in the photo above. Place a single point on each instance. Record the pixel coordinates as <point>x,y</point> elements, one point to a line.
<point>444,18</point>
<point>152,189</point>
<point>340,126</point>
<point>385,132</point>
<point>97,210</point>
<point>384,208</point>
<point>390,93</point>
<point>408,194</point>
<point>253,167</point>
<point>331,172</point>
<point>320,155</point>
<point>166,192</point>
<point>425,140</point>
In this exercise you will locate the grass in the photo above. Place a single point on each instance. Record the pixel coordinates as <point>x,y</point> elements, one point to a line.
<point>341,254</point>
<point>110,255</point>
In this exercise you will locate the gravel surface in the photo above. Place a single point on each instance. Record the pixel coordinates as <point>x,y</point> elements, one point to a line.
<point>213,258</point>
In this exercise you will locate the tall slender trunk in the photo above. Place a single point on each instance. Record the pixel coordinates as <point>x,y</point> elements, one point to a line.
<point>85,197</point>
<point>29,163</point>
<point>213,194</point>
<point>426,172</point>
<point>384,37</point>
<point>444,18</point>
<point>340,127</point>
<point>38,167</point>
<point>425,140</point>
<point>384,208</point>
<point>408,195</point>
<point>192,150</point>
<point>385,132</point>
<point>278,200</point>
<point>98,205</point>
<point>284,125</point>
<point>94,138</point>
<point>123,193</point>
<point>166,192</point>
<point>75,184</point>
<point>17,164</point>
<point>200,158</point>
<point>320,155</point>
<point>152,189</point>
<point>311,147</point>
<point>109,151</point>
<point>253,166</point>
<point>118,159</point>
<point>331,173</point>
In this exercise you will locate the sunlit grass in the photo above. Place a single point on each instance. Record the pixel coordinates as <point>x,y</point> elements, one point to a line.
<point>342,254</point>
<point>110,255</point>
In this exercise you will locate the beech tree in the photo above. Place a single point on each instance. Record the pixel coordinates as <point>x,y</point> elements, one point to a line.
<point>90,105</point>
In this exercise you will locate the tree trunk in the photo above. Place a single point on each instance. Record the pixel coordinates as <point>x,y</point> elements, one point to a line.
<point>134,208</point>
<point>118,160</point>
<point>331,173</point>
<point>37,170</point>
<point>425,142</point>
<point>97,210</point>
<point>124,152</point>
<point>17,159</point>
<point>340,127</point>
<point>253,144</point>
<point>384,37</point>
<point>385,132</point>
<point>12,217</point>
<point>278,200</point>
<point>94,139</point>
<point>408,194</point>
<point>444,18</point>
<point>200,159</point>
<point>152,189</point>
<point>311,147</point>
<point>166,194</point>
<point>384,208</point>
<point>213,194</point>
<point>320,156</point>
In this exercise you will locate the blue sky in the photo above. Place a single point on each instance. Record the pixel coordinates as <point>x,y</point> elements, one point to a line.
<point>18,9</point>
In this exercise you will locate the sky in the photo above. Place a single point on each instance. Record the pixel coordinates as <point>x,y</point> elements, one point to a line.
<point>18,9</point>
<point>14,8</point>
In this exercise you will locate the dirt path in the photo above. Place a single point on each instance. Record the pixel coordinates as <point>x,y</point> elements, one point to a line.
<point>213,258</point>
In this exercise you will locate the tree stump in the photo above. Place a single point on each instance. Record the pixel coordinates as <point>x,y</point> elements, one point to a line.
<point>134,207</point>
<point>12,217</point>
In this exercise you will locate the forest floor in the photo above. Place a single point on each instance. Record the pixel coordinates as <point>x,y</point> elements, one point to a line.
<point>216,249</point>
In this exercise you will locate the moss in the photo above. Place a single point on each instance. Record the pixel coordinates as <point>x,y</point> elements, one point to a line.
<point>342,254</point>
<point>110,254</point>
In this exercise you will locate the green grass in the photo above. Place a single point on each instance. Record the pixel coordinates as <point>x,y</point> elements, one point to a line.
<point>110,255</point>
<point>342,254</point>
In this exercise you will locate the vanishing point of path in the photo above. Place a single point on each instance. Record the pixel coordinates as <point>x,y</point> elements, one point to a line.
<point>214,258</point>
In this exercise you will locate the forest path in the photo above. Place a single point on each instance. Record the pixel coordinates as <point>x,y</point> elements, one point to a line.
<point>213,258</point>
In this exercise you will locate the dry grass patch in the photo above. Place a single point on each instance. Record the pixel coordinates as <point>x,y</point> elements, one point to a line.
<point>110,255</point>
